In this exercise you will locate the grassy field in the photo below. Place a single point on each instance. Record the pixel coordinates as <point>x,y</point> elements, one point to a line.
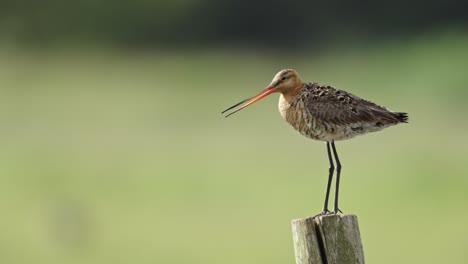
<point>123,157</point>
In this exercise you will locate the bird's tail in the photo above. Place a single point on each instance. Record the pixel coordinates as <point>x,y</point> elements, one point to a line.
<point>402,117</point>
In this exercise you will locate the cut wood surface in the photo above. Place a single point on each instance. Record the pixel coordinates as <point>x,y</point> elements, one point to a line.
<point>328,239</point>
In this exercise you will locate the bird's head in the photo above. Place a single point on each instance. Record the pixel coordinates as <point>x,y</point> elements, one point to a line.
<point>285,81</point>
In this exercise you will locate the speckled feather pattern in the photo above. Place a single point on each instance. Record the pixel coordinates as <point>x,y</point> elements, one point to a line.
<point>325,113</point>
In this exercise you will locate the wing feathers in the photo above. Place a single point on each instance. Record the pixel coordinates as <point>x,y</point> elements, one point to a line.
<point>331,105</point>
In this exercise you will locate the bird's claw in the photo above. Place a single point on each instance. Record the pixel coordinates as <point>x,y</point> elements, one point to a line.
<point>336,210</point>
<point>328,212</point>
<point>324,212</point>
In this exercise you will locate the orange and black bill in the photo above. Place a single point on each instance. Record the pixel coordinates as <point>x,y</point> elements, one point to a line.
<point>252,99</point>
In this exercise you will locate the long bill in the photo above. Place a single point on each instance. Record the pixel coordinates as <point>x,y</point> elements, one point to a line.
<point>252,99</point>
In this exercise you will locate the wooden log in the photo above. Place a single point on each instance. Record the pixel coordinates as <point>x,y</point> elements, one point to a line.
<point>306,245</point>
<point>328,239</point>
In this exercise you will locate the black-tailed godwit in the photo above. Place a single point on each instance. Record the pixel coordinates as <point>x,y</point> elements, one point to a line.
<point>324,113</point>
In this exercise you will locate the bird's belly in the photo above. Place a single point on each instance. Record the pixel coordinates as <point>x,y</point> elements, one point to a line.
<point>318,130</point>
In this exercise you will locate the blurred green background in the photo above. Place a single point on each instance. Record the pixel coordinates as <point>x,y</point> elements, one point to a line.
<point>114,150</point>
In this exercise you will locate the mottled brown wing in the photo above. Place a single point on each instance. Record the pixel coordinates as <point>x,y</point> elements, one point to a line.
<point>331,105</point>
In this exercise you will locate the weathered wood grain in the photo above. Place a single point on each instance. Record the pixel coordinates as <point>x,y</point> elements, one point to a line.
<point>306,247</point>
<point>329,239</point>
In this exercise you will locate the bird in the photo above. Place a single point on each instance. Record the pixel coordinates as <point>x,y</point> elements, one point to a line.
<point>324,113</point>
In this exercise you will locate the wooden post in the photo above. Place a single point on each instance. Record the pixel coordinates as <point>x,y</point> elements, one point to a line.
<point>328,239</point>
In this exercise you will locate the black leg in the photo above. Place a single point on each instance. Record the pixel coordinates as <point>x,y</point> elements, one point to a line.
<point>338,170</point>
<point>331,169</point>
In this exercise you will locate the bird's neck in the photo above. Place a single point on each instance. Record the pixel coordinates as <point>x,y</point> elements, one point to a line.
<point>291,94</point>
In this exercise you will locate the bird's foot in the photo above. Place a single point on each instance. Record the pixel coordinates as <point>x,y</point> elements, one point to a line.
<point>336,210</point>
<point>324,212</point>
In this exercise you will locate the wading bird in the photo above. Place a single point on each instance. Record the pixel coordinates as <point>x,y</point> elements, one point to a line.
<point>324,113</point>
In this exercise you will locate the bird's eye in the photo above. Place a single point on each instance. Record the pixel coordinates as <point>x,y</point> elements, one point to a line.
<point>284,78</point>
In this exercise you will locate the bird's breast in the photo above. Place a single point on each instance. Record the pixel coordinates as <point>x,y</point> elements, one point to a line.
<point>297,115</point>
<point>283,106</point>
